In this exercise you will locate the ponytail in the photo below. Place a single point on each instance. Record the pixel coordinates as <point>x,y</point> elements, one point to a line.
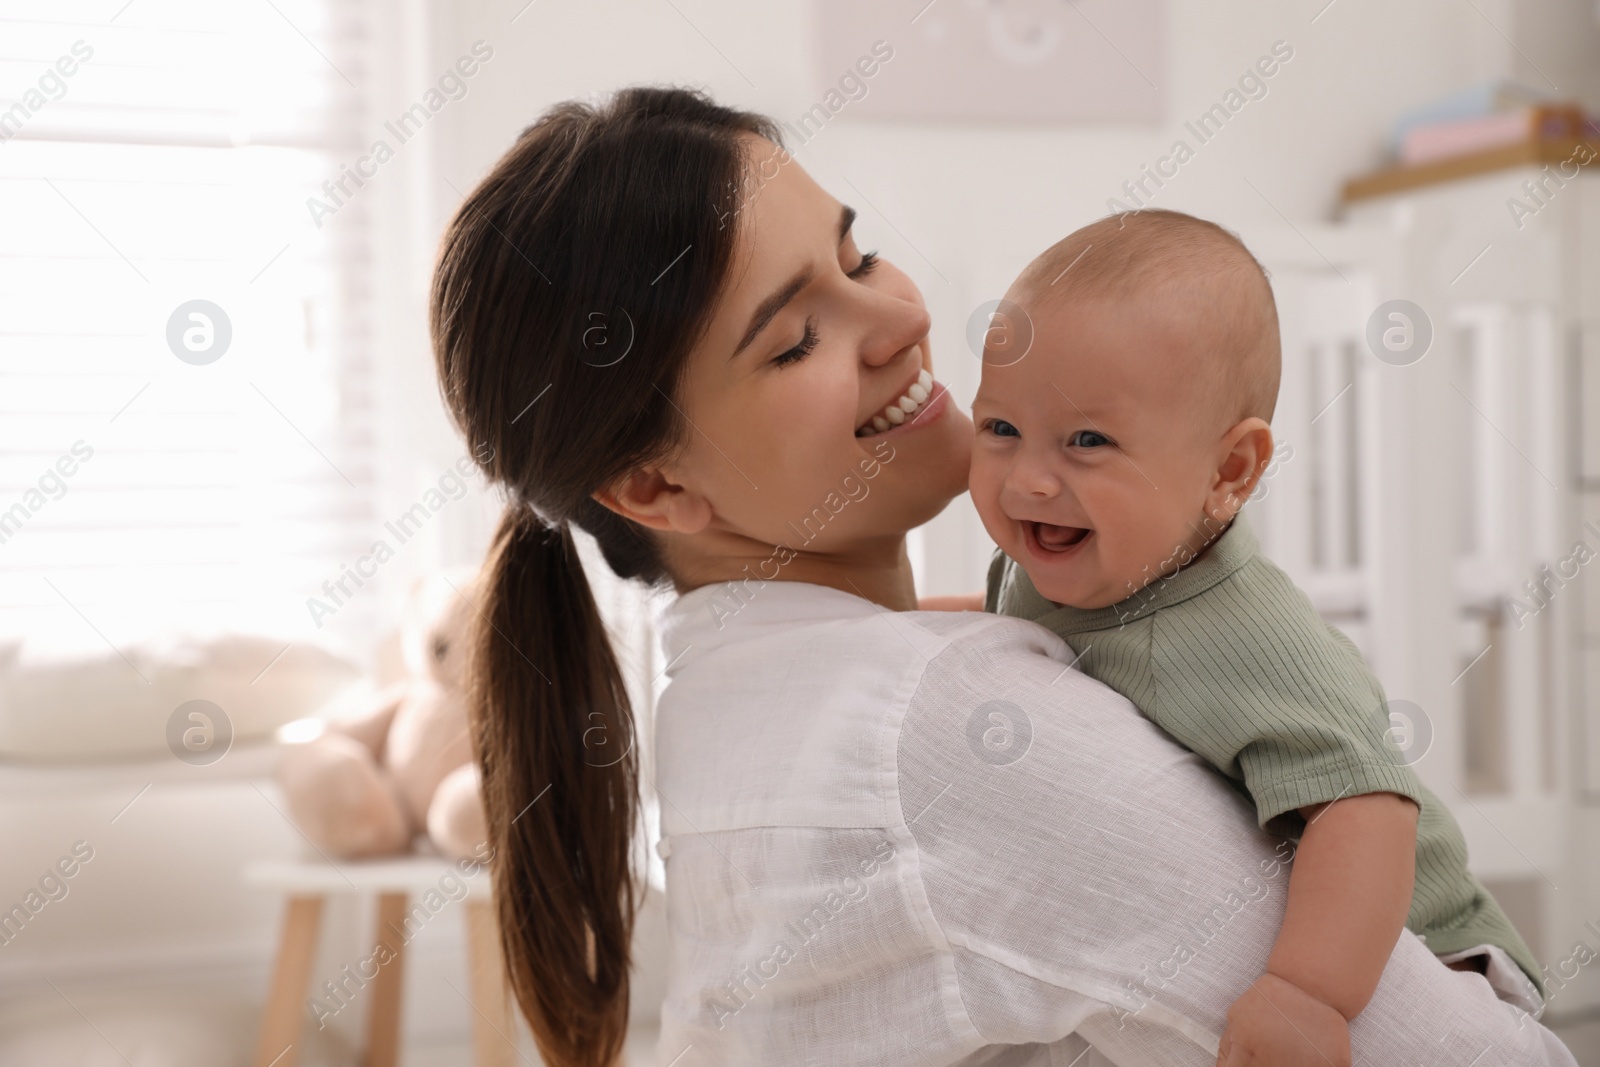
<point>554,733</point>
<point>556,252</point>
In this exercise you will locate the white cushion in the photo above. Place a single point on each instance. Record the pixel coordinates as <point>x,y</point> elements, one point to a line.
<point>73,706</point>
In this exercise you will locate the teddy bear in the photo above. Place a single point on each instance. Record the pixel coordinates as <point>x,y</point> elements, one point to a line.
<point>372,781</point>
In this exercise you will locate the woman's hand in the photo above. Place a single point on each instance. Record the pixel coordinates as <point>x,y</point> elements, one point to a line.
<point>1278,1024</point>
<point>964,602</point>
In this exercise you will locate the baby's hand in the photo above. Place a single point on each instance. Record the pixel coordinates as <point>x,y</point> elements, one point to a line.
<point>1277,1024</point>
<point>962,602</point>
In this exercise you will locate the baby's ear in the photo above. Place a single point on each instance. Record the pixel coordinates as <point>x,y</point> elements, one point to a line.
<point>1243,454</point>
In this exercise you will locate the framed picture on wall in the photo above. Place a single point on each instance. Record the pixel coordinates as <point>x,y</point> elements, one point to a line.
<point>1072,60</point>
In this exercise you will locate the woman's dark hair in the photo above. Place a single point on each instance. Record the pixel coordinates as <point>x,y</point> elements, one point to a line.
<point>571,286</point>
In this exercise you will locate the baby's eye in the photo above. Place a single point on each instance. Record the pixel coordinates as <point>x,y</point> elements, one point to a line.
<point>1002,428</point>
<point>1089,439</point>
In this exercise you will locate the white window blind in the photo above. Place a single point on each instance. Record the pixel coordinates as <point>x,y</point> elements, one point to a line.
<point>152,154</point>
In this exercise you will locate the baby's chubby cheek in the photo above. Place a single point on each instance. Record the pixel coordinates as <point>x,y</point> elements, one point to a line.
<point>983,487</point>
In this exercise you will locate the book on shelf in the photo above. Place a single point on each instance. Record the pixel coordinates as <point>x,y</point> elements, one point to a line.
<point>1437,141</point>
<point>1476,101</point>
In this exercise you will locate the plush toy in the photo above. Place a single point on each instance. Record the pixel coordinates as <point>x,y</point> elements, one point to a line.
<point>373,781</point>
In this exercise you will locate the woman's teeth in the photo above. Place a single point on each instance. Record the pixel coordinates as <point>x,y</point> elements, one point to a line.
<point>902,409</point>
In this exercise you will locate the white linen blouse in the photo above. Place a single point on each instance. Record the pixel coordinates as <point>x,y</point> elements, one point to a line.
<point>921,838</point>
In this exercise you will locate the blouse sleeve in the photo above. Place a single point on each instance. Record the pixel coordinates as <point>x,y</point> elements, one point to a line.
<point>1089,876</point>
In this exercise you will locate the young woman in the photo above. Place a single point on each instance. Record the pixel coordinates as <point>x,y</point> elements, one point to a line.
<point>892,836</point>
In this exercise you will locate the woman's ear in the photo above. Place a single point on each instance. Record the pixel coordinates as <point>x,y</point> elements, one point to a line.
<point>650,498</point>
<point>1245,451</point>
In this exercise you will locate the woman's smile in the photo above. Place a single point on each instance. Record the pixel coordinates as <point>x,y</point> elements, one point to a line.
<point>913,406</point>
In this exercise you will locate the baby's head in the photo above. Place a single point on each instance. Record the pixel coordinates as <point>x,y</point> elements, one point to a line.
<point>1135,425</point>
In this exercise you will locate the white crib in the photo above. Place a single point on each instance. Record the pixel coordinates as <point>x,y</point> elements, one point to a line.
<point>1433,506</point>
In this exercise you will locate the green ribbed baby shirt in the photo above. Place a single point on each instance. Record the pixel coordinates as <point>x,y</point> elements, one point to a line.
<point>1229,657</point>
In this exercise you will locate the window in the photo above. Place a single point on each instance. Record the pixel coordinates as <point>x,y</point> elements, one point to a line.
<point>185,419</point>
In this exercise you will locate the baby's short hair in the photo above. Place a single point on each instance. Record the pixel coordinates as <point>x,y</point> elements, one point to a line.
<point>1134,252</point>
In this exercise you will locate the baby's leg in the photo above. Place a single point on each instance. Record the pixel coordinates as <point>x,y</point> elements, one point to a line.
<point>1471,1024</point>
<point>1507,980</point>
<point>1478,963</point>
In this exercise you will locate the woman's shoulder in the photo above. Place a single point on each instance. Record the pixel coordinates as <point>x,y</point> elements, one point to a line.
<point>953,656</point>
<point>981,641</point>
<point>782,720</point>
<point>984,660</point>
<point>748,633</point>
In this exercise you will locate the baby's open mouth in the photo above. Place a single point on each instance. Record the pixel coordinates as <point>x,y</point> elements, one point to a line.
<point>901,408</point>
<point>1053,538</point>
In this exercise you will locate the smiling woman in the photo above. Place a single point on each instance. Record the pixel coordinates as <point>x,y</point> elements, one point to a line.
<point>815,342</point>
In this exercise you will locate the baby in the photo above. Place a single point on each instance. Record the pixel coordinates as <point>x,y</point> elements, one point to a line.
<point>1114,450</point>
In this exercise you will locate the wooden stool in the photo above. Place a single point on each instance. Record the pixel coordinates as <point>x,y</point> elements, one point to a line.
<point>394,882</point>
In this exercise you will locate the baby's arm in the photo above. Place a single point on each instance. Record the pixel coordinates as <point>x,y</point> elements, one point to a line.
<point>1349,893</point>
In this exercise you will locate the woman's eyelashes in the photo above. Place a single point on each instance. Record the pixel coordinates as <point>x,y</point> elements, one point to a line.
<point>808,341</point>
